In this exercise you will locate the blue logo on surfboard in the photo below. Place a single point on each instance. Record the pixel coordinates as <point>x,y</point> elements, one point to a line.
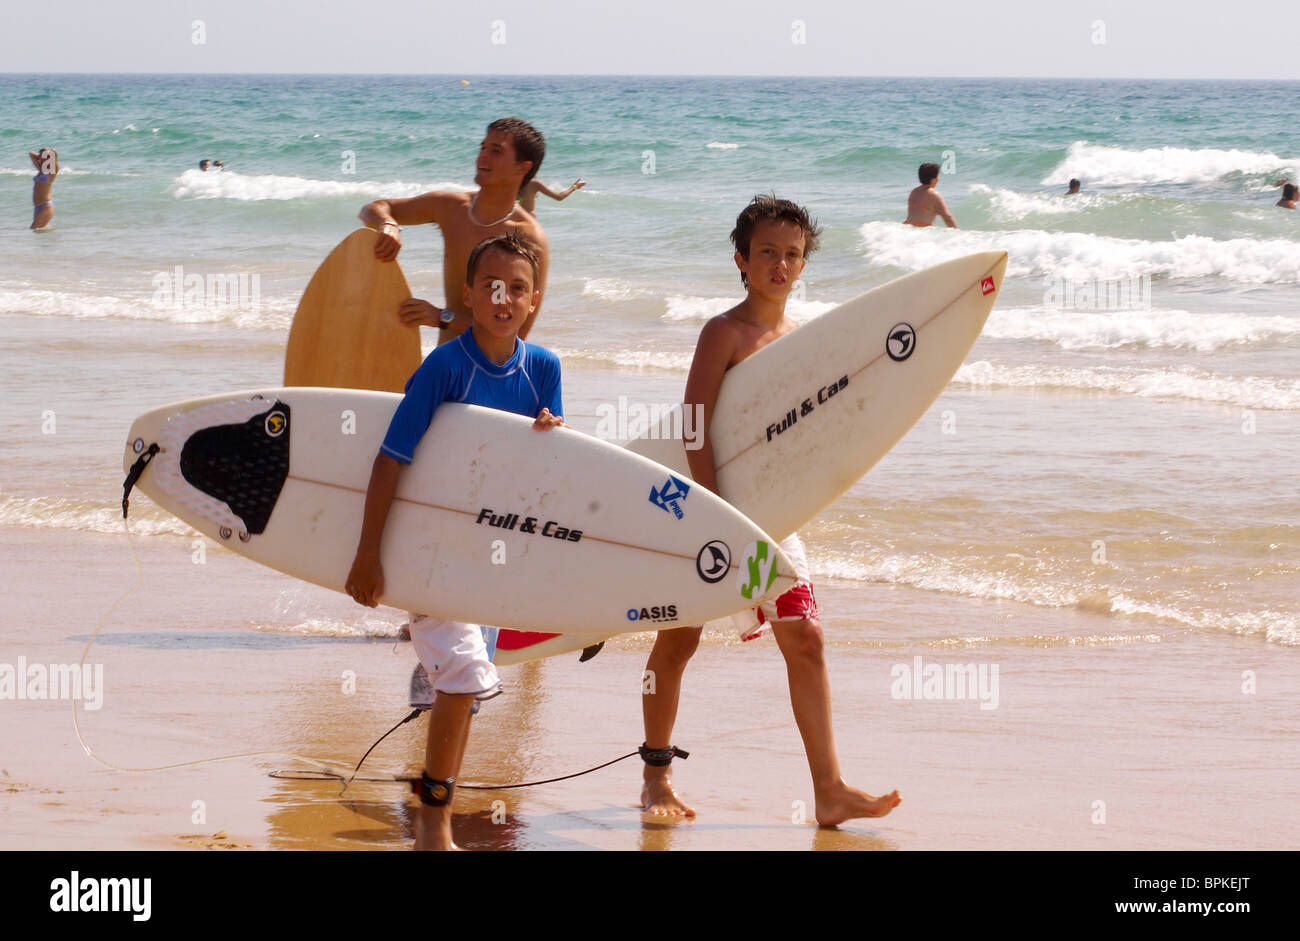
<point>670,496</point>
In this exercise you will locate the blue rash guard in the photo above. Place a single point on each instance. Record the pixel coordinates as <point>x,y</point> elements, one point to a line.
<point>459,372</point>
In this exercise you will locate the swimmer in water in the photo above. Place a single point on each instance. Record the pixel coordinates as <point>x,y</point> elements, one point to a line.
<point>46,162</point>
<point>528,195</point>
<point>1074,188</point>
<point>924,202</point>
<point>1289,193</point>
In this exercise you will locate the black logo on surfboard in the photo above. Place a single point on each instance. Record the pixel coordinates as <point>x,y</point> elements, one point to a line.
<point>243,465</point>
<point>901,342</point>
<point>713,561</point>
<point>806,407</point>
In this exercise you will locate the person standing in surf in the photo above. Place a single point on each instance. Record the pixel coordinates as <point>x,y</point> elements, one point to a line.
<point>46,162</point>
<point>487,365</point>
<point>924,202</point>
<point>773,238</point>
<point>509,157</point>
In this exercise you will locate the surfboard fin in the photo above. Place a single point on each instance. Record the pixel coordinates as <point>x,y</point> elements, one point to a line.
<point>589,652</point>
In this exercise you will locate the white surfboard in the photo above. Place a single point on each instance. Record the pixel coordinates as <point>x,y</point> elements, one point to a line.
<point>800,421</point>
<point>493,523</point>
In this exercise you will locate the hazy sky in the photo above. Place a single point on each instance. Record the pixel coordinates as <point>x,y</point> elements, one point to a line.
<point>1074,38</point>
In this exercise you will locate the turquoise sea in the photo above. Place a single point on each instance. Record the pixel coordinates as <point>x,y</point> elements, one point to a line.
<point>1164,427</point>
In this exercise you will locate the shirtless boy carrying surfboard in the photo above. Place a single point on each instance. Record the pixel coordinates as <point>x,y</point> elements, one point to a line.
<point>773,238</point>
<point>509,157</point>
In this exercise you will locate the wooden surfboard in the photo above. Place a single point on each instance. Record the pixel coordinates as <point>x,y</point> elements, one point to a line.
<point>346,333</point>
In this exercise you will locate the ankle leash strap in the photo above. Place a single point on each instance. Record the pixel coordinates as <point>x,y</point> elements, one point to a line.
<point>660,757</point>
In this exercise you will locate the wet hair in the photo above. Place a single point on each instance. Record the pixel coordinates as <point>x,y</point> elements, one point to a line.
<point>527,140</point>
<point>772,209</point>
<point>512,243</point>
<point>204,164</point>
<point>927,172</point>
<point>1075,184</point>
<point>1289,191</point>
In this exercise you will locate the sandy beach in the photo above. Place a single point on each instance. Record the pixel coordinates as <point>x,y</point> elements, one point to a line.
<point>1154,726</point>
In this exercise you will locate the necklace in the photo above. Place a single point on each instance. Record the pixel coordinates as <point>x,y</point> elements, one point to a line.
<point>474,202</point>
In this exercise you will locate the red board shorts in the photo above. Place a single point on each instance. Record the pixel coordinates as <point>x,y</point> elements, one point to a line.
<point>797,604</point>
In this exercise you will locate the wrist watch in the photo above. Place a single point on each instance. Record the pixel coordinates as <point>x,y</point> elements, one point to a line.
<point>446,318</point>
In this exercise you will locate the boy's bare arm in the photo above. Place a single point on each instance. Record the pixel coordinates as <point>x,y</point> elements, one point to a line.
<point>537,186</point>
<point>713,353</point>
<point>366,579</point>
<point>413,210</point>
<point>941,207</point>
<point>540,187</point>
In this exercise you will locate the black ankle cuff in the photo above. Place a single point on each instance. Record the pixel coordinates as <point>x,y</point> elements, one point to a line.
<point>661,757</point>
<point>432,792</point>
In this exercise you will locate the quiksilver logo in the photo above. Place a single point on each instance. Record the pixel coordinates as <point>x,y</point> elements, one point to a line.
<point>901,342</point>
<point>713,561</point>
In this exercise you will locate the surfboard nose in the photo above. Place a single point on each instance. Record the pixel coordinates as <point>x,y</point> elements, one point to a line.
<point>144,432</point>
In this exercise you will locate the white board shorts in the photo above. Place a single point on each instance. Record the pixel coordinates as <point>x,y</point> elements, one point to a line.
<point>455,657</point>
<point>797,604</point>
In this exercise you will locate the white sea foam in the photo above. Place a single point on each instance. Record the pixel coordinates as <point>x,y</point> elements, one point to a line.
<point>936,573</point>
<point>1150,329</point>
<point>87,517</point>
<point>271,313</point>
<point>1009,206</point>
<point>1116,166</point>
<point>614,289</point>
<point>628,359</point>
<point>1277,626</point>
<point>227,184</point>
<point>687,307</point>
<point>721,145</point>
<point>64,170</point>
<point>1080,255</point>
<point>1192,384</point>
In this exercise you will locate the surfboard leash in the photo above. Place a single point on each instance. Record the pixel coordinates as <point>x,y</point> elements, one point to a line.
<point>132,477</point>
<point>324,770</point>
<point>322,775</point>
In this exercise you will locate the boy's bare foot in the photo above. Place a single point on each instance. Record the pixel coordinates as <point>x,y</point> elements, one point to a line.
<point>841,802</point>
<point>658,797</point>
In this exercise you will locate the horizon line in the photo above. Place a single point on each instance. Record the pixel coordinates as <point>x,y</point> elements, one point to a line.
<point>456,75</point>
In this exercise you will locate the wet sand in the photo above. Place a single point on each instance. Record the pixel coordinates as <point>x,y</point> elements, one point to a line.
<point>214,660</point>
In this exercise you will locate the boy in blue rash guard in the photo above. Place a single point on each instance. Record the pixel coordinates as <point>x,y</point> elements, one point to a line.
<point>487,365</point>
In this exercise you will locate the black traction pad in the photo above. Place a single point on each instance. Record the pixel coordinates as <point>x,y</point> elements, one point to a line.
<point>244,465</point>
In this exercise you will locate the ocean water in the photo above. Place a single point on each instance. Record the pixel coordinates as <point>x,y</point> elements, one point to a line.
<point>1122,441</point>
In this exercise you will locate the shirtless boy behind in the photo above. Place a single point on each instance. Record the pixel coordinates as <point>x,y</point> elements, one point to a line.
<point>509,157</point>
